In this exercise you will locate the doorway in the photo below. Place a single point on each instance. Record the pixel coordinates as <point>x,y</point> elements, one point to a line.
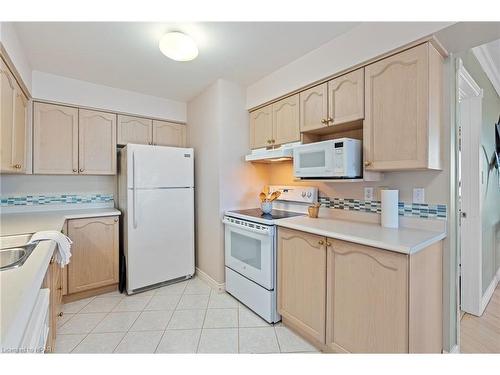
<point>469,117</point>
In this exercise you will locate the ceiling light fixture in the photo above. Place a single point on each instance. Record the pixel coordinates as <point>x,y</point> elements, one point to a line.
<point>178,46</point>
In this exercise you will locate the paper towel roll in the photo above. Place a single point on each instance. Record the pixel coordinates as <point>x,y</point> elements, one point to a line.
<point>389,206</point>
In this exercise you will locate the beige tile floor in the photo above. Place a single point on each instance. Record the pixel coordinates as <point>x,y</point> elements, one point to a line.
<point>187,317</point>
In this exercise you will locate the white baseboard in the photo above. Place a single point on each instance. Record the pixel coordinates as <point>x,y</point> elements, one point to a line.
<point>214,284</point>
<point>489,292</point>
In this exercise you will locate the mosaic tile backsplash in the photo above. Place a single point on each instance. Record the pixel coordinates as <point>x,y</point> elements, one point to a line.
<point>430,211</point>
<point>34,200</point>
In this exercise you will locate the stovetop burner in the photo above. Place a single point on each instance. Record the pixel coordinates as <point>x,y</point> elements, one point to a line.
<point>256,214</point>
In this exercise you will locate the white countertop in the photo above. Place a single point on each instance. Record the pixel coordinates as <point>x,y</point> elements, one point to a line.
<point>31,222</point>
<point>401,240</point>
<point>19,287</point>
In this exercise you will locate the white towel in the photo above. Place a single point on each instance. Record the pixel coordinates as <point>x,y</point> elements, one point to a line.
<point>63,244</point>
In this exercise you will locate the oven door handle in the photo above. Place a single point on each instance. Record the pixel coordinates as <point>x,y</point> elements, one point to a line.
<point>268,231</point>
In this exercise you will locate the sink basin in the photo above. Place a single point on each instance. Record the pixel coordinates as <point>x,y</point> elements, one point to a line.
<point>15,256</point>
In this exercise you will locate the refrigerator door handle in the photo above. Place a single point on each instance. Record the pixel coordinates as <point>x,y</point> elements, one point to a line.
<point>134,192</point>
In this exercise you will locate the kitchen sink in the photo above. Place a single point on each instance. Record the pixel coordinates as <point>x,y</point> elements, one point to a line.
<point>15,257</point>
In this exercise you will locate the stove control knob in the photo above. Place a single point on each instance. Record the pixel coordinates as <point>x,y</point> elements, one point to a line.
<point>303,194</point>
<point>309,194</point>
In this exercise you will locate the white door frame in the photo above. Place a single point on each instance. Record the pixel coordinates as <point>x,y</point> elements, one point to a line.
<point>469,117</point>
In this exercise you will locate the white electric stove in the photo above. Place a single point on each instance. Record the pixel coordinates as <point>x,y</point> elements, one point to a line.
<point>250,250</point>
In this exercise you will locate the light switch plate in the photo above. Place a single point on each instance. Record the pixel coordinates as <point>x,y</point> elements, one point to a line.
<point>418,195</point>
<point>369,195</point>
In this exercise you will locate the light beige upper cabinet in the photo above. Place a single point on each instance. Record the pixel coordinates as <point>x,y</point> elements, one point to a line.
<point>97,142</point>
<point>336,102</point>
<point>261,127</point>
<point>286,120</point>
<point>94,260</point>
<point>346,100</point>
<point>13,122</point>
<point>136,130</point>
<point>314,108</point>
<point>367,299</point>
<point>402,111</point>
<point>55,139</point>
<point>302,282</point>
<point>169,134</point>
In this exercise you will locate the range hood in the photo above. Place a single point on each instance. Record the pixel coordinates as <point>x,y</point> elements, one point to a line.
<point>264,155</point>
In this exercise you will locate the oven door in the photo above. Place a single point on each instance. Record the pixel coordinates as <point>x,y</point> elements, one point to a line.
<point>313,160</point>
<point>249,250</point>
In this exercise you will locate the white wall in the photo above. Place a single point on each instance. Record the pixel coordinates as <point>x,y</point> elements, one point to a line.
<point>218,131</point>
<point>45,184</point>
<point>240,182</point>
<point>10,41</point>
<point>202,136</point>
<point>362,43</point>
<point>72,91</point>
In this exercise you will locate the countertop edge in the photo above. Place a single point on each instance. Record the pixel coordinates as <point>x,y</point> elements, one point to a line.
<point>363,241</point>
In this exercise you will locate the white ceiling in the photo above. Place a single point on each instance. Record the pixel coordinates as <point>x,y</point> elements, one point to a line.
<point>125,55</point>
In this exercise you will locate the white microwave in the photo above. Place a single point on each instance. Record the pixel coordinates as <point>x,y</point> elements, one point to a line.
<point>336,158</point>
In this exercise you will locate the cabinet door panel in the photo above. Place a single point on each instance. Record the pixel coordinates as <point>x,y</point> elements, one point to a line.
<point>346,100</point>
<point>7,97</point>
<point>367,293</point>
<point>396,118</point>
<point>261,127</point>
<point>19,132</point>
<point>97,142</point>
<point>302,281</point>
<point>286,120</point>
<point>134,130</point>
<point>314,108</point>
<point>169,134</point>
<point>55,139</point>
<point>94,260</point>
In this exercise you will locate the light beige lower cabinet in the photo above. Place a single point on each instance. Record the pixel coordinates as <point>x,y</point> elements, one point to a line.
<point>346,297</point>
<point>302,282</point>
<point>94,261</point>
<point>53,281</point>
<point>169,134</point>
<point>367,299</point>
<point>13,123</point>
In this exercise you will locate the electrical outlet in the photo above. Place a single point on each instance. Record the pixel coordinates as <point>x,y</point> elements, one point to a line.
<point>369,195</point>
<point>418,195</point>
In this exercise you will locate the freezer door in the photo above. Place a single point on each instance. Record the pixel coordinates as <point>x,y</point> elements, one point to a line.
<point>160,243</point>
<point>159,166</point>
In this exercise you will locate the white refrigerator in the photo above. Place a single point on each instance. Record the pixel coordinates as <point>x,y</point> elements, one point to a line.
<point>156,197</point>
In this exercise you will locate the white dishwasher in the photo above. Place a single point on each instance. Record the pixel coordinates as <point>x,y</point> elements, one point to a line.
<point>37,330</point>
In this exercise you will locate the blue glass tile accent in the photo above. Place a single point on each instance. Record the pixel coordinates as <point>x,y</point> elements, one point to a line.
<point>422,210</point>
<point>35,200</point>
